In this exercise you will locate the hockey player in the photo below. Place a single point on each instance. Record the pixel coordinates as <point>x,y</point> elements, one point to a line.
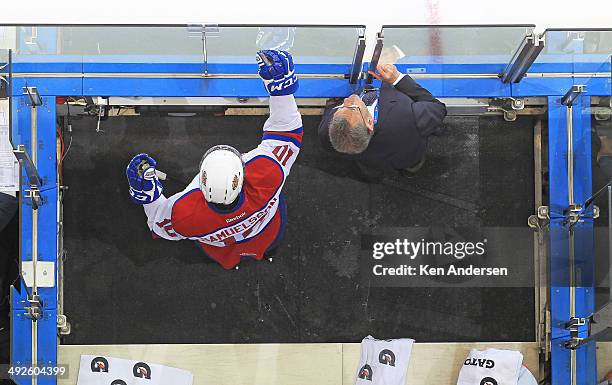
<point>234,207</point>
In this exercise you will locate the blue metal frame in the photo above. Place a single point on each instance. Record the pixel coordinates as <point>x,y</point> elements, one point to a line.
<point>584,235</point>
<point>21,349</point>
<point>196,85</point>
<point>559,239</point>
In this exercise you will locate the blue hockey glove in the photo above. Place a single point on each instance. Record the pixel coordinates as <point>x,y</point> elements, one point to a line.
<point>145,187</point>
<point>277,71</point>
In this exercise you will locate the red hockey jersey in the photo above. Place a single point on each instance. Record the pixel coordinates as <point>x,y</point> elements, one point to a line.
<point>255,222</point>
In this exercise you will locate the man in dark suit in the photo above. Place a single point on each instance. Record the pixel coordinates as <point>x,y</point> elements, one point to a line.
<point>386,128</point>
<point>9,266</point>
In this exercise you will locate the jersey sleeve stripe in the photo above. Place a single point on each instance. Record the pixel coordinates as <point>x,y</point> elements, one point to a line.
<point>296,131</point>
<point>297,136</point>
<point>292,138</point>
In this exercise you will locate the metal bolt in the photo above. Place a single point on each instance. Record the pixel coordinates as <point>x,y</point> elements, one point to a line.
<point>532,221</point>
<point>518,104</point>
<point>510,116</point>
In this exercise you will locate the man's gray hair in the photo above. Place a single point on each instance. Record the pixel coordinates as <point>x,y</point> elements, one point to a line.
<point>348,139</point>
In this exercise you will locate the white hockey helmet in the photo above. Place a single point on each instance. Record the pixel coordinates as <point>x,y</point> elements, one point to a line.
<point>221,174</point>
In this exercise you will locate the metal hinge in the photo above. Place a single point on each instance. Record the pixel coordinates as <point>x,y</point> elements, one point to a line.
<point>197,30</point>
<point>574,213</point>
<point>33,177</point>
<point>572,94</point>
<point>33,194</point>
<point>594,326</point>
<point>34,310</point>
<point>523,58</point>
<point>63,326</point>
<point>575,325</point>
<point>509,106</point>
<point>540,219</point>
<point>34,98</point>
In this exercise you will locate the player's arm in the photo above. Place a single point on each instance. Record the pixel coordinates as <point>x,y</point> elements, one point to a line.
<point>146,190</point>
<point>159,214</point>
<point>282,136</point>
<point>277,71</point>
<point>284,116</point>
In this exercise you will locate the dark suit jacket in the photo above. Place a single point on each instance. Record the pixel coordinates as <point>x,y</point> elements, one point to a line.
<point>8,207</point>
<point>407,115</point>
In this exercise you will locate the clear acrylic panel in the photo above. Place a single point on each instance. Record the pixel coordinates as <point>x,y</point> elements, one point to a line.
<point>4,56</point>
<point>129,41</point>
<point>603,237</point>
<point>452,44</point>
<point>118,44</point>
<point>184,44</point>
<point>308,44</point>
<point>582,49</point>
<point>4,72</point>
<point>599,113</point>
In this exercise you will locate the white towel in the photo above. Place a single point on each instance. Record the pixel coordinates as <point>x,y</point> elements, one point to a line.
<point>364,372</point>
<point>98,370</point>
<point>383,362</point>
<point>491,367</point>
<point>526,377</point>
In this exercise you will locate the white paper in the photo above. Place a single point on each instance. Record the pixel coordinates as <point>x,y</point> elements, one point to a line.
<point>9,167</point>
<point>100,370</point>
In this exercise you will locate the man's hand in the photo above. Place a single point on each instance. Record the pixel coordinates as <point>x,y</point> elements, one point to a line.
<point>145,187</point>
<point>277,71</point>
<point>333,102</point>
<point>387,73</point>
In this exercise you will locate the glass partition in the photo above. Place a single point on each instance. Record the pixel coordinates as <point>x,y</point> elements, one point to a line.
<point>184,44</point>
<point>602,252</point>
<point>4,72</point>
<point>575,51</point>
<point>4,58</point>
<point>309,45</point>
<point>485,44</point>
<point>603,237</point>
<point>129,40</point>
<point>599,115</point>
<point>111,44</point>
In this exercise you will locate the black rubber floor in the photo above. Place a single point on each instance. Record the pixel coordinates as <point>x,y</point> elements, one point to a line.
<point>122,287</point>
